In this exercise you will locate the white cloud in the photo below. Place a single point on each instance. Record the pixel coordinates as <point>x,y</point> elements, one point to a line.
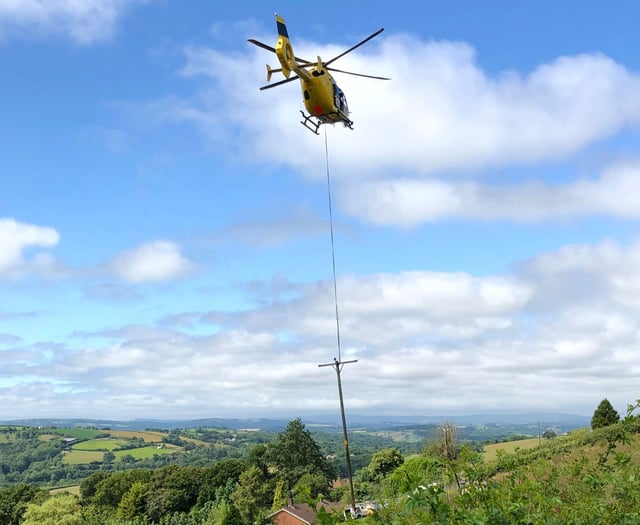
<point>151,262</point>
<point>438,98</point>
<point>266,233</point>
<point>407,202</point>
<point>84,21</point>
<point>16,238</point>
<point>588,275</point>
<point>423,140</point>
<point>560,332</point>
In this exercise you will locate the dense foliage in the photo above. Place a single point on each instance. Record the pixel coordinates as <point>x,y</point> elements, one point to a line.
<point>585,477</point>
<point>40,456</point>
<point>229,490</point>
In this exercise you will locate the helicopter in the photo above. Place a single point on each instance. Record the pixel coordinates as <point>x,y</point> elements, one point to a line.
<point>323,99</point>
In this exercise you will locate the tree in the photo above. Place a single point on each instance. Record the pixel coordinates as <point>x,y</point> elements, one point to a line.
<point>219,480</point>
<point>310,486</point>
<point>134,502</point>
<point>280,496</point>
<point>216,513</point>
<point>549,433</point>
<point>604,415</point>
<point>89,485</point>
<point>253,494</point>
<point>445,446</point>
<point>295,453</point>
<point>173,489</point>
<point>63,509</point>
<point>110,490</point>
<point>384,462</point>
<point>14,500</point>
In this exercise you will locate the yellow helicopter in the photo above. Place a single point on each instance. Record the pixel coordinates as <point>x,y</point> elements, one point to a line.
<point>323,99</point>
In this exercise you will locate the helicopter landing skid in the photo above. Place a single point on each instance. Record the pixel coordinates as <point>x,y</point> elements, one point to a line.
<point>308,122</point>
<point>314,125</point>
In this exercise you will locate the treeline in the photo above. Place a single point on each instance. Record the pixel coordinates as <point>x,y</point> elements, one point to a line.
<point>28,458</point>
<point>585,477</point>
<point>231,491</point>
<point>35,455</point>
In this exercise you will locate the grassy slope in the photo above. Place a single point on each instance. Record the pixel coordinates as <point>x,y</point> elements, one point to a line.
<point>100,444</point>
<point>563,450</point>
<point>491,451</point>
<point>78,433</point>
<point>146,435</point>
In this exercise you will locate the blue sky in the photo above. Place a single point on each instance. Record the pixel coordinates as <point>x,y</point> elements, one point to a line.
<point>164,236</point>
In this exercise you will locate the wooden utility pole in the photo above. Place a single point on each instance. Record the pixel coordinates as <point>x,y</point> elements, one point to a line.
<point>337,366</point>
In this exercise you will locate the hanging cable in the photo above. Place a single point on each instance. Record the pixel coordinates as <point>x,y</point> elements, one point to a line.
<point>333,250</point>
<point>337,362</point>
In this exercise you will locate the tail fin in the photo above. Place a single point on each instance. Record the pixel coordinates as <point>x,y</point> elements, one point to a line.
<point>284,51</point>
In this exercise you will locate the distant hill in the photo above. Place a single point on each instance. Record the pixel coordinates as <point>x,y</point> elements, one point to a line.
<point>316,421</point>
<point>472,419</point>
<point>160,424</point>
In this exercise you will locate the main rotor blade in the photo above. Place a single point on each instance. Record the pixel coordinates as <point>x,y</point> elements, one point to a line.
<point>260,44</point>
<point>275,84</point>
<point>302,61</point>
<point>279,70</point>
<point>356,46</point>
<point>357,74</point>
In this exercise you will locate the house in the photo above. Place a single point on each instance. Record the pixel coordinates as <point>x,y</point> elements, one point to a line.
<point>301,513</point>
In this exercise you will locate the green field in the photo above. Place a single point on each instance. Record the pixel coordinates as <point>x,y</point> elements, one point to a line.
<point>48,437</point>
<point>73,489</point>
<point>100,444</point>
<point>146,435</point>
<point>401,436</point>
<point>78,433</point>
<point>491,451</point>
<point>147,452</point>
<point>79,457</point>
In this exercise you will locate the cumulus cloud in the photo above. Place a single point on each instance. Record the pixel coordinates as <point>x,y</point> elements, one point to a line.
<point>151,262</point>
<point>589,274</point>
<point>406,202</point>
<point>559,332</point>
<point>15,239</point>
<point>85,21</point>
<point>440,111</point>
<point>424,139</point>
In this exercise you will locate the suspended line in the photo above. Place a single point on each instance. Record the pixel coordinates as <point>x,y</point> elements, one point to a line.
<point>333,250</point>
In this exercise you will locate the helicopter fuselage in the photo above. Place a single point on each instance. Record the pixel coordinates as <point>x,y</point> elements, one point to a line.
<point>322,97</point>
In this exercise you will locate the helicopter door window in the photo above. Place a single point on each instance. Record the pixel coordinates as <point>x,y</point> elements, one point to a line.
<point>343,102</point>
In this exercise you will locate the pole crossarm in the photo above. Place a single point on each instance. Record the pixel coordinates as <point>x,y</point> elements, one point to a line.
<point>339,364</point>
